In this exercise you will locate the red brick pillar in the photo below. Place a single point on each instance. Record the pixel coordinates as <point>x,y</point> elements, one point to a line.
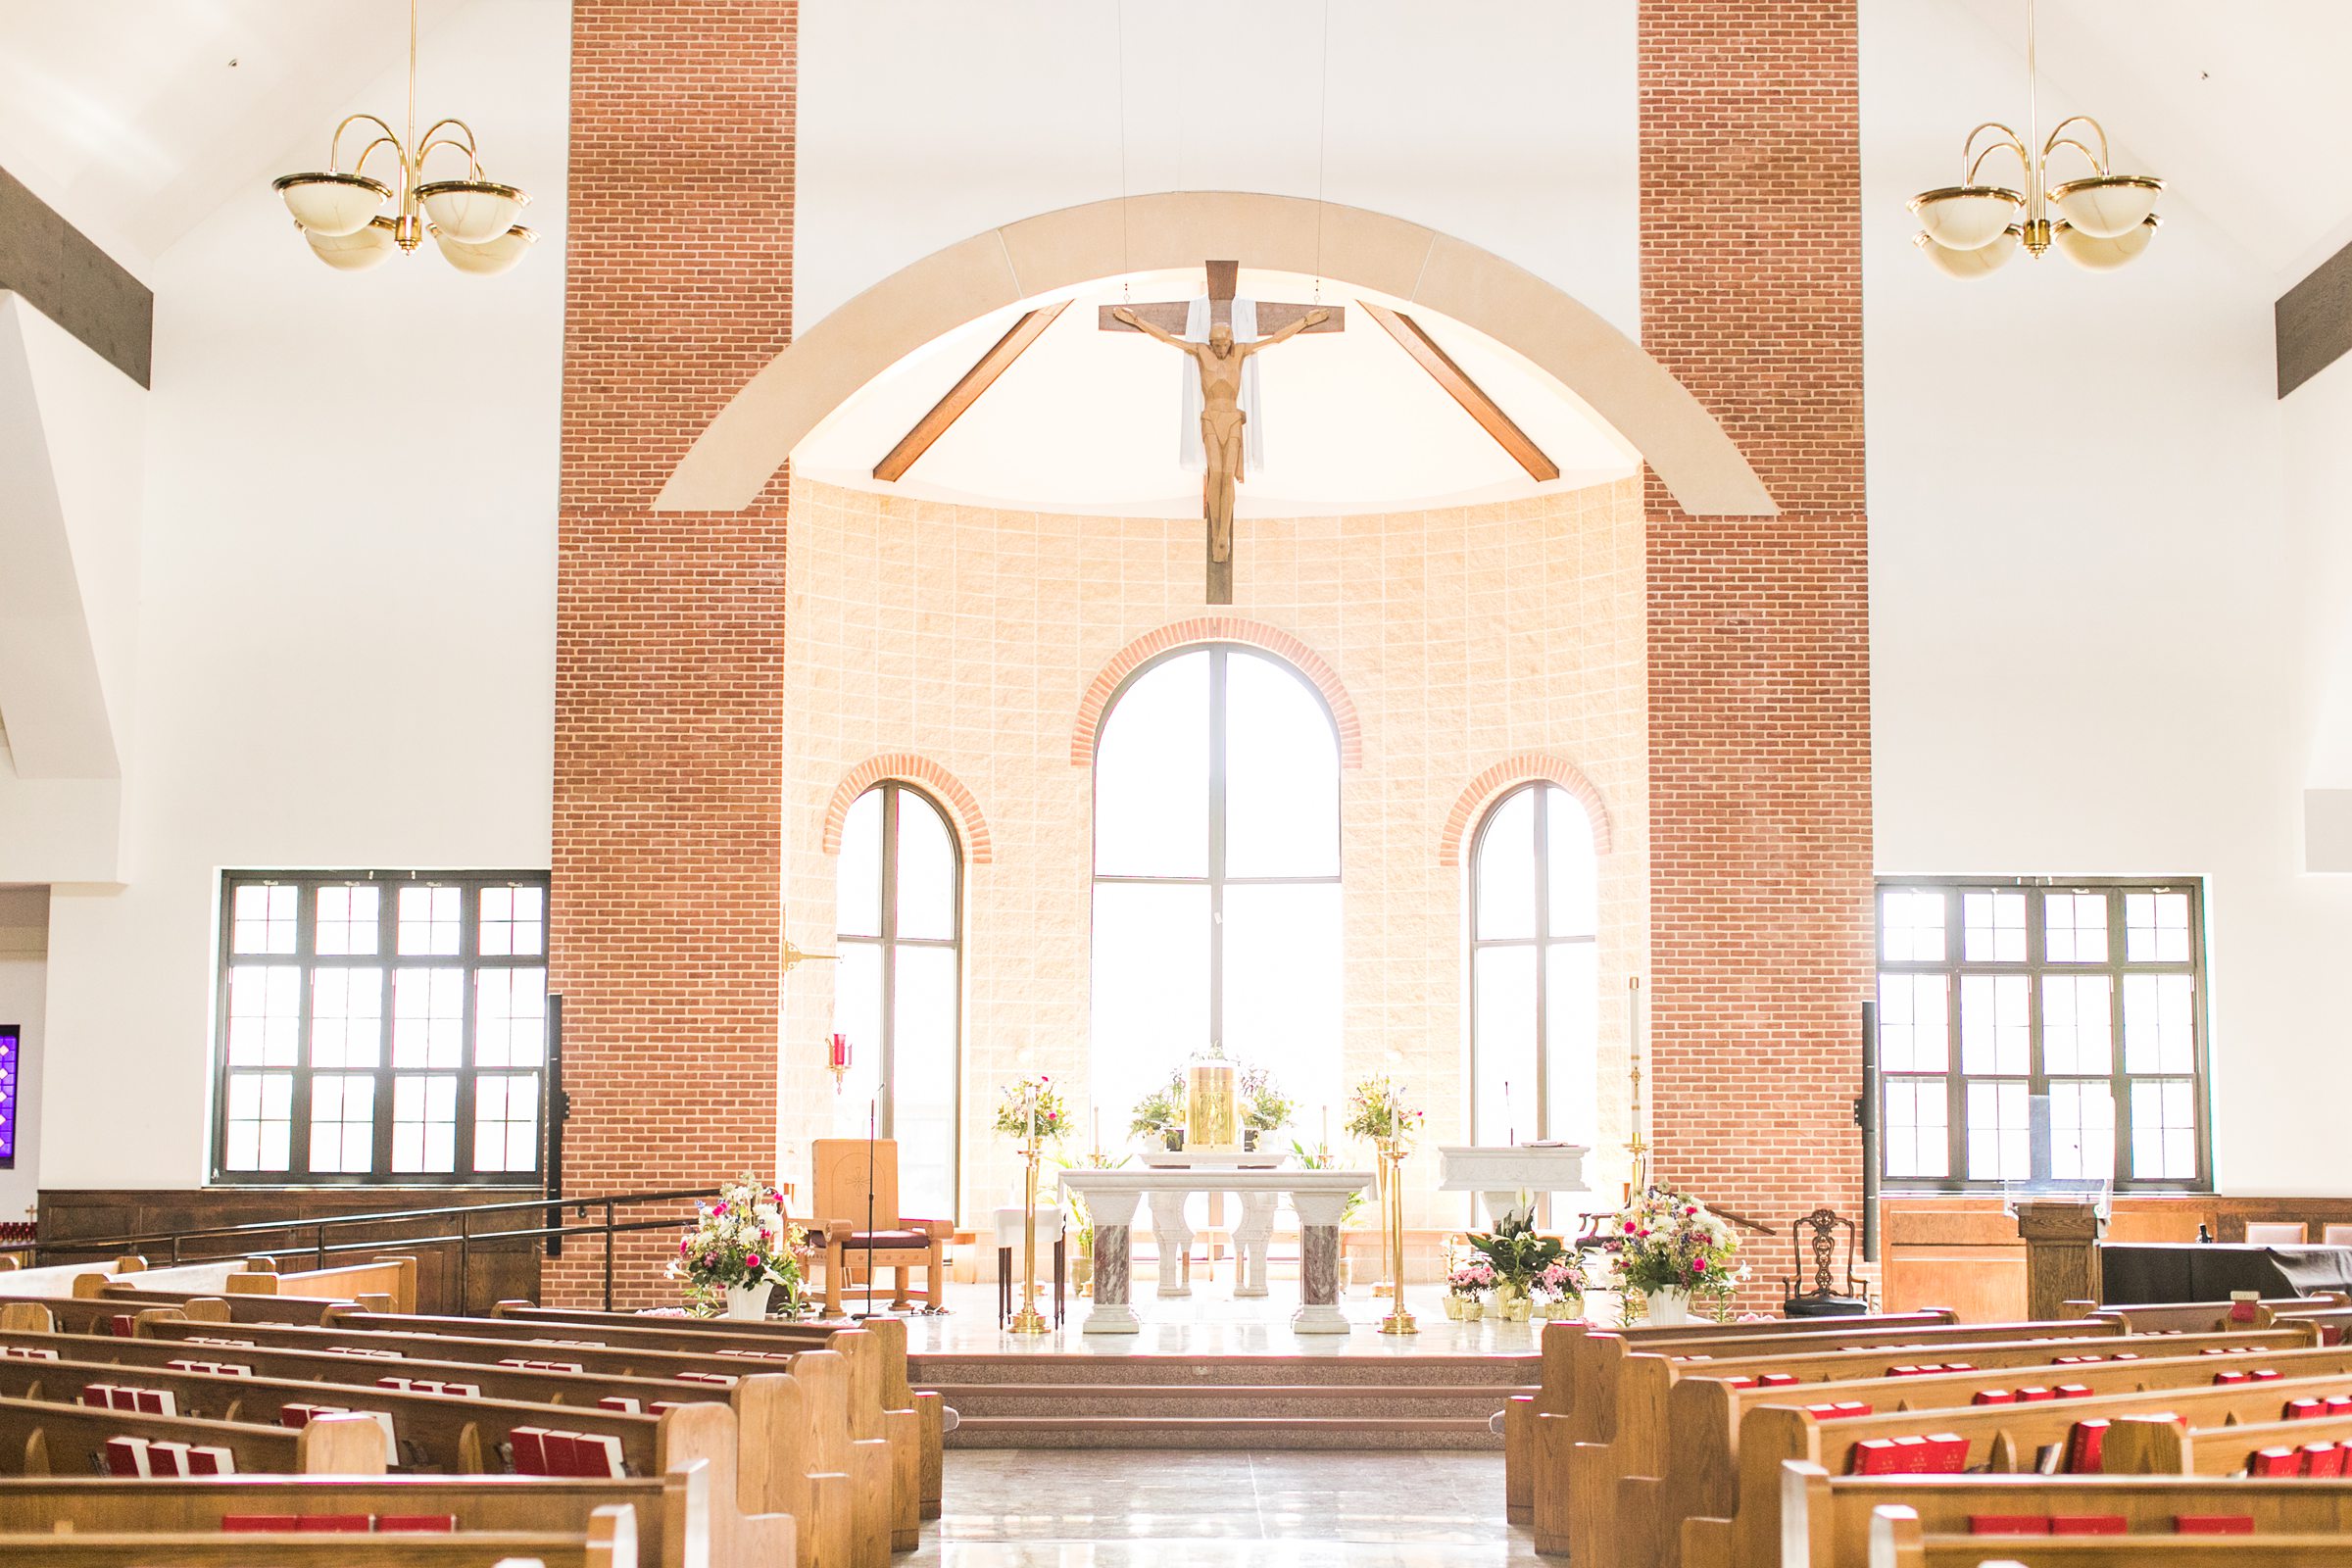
<point>1759,628</point>
<point>667,906</point>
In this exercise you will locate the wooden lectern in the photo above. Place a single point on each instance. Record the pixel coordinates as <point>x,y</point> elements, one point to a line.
<point>2062,1255</point>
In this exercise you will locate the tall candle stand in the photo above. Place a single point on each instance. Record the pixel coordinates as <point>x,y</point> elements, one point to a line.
<point>1028,1320</point>
<point>1637,1170</point>
<point>1392,1160</point>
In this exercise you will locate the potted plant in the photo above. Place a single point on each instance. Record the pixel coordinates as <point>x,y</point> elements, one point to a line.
<point>1159,1114</point>
<point>1376,1112</point>
<point>1265,1108</point>
<point>1519,1257</point>
<point>1463,1288</point>
<point>1670,1249</point>
<point>740,1251</point>
<point>1561,1288</point>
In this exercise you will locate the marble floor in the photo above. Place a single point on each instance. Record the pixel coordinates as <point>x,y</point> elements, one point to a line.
<point>1157,1508</point>
<point>1212,1322</point>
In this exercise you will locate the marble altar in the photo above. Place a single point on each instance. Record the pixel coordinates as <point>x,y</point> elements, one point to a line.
<point>1317,1196</point>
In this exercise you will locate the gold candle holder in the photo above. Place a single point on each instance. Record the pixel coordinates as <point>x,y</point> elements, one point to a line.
<point>1211,1120</point>
<point>1392,1160</point>
<point>1029,1320</point>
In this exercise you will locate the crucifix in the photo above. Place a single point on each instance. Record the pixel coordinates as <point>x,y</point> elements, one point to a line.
<point>1220,360</point>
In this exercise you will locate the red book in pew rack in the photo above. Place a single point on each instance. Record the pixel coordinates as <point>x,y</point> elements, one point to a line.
<point>168,1458</point>
<point>210,1461</point>
<point>128,1458</point>
<point>1994,1396</point>
<point>530,1450</point>
<point>2084,1444</point>
<point>597,1455</point>
<point>2324,1460</point>
<point>2274,1462</point>
<point>2304,1410</point>
<point>336,1524</point>
<point>1777,1380</point>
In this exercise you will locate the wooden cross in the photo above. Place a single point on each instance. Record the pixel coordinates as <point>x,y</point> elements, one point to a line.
<point>1273,317</point>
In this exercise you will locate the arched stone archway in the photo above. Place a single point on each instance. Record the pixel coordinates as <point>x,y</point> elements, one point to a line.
<point>732,461</point>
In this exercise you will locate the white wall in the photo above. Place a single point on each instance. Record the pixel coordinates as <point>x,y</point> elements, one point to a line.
<point>347,612</point>
<point>2087,653</point>
<point>1510,125</point>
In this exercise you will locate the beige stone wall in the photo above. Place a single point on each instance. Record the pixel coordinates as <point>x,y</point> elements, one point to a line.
<point>970,636</point>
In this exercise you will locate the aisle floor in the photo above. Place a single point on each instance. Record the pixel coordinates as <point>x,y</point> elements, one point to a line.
<point>1158,1508</point>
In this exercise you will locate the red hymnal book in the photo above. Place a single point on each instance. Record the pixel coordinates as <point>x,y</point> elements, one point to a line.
<point>208,1460</point>
<point>2274,1462</point>
<point>2074,1390</point>
<point>2231,1377</point>
<point>2008,1524</point>
<point>2323,1459</point>
<point>336,1524</point>
<point>155,1402</point>
<point>1949,1453</point>
<point>2089,1524</point>
<point>1876,1456</point>
<point>2035,1395</point>
<point>98,1396</point>
<point>2304,1410</point>
<point>1777,1380</point>
<point>618,1401</point>
<point>2266,1374</point>
<point>563,1452</point>
<point>2084,1444</point>
<point>530,1450</point>
<point>597,1455</point>
<point>1994,1396</point>
<point>2214,1524</point>
<point>126,1456</point>
<point>168,1458</point>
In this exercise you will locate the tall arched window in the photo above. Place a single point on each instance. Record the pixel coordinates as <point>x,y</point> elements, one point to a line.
<point>1534,1004</point>
<point>1216,876</point>
<point>899,918</point>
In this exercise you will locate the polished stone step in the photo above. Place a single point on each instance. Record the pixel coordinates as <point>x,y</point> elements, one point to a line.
<point>1392,1402</point>
<point>1220,1432</point>
<point>1136,1369</point>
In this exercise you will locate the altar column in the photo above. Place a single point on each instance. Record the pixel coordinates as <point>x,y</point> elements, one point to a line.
<point>1113,1214</point>
<point>1319,1214</point>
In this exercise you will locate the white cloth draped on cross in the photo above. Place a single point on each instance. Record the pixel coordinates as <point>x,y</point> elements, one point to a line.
<point>1188,451</point>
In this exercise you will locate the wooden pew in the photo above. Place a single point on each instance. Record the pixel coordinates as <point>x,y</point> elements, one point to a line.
<point>898,1393</point>
<point>1582,1367</point>
<point>801,1456</point>
<point>2205,1447</point>
<point>2001,1437</point>
<point>39,1438</point>
<point>1897,1542</point>
<point>609,1540</point>
<point>1705,1416</point>
<point>1557,1394</point>
<point>673,1511</point>
<point>2204,1317</point>
<point>1826,1519</point>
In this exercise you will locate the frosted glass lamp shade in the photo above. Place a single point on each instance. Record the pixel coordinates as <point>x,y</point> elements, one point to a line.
<point>1978,262</point>
<point>331,203</point>
<point>472,212</point>
<point>491,256</point>
<point>1967,218</point>
<point>2094,254</point>
<point>356,253</point>
<point>2107,206</point>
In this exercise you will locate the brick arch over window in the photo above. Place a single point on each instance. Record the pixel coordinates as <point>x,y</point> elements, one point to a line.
<point>1203,629</point>
<point>908,768</point>
<point>1526,767</point>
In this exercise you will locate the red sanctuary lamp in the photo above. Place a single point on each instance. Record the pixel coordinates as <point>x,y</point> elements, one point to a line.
<point>837,1060</point>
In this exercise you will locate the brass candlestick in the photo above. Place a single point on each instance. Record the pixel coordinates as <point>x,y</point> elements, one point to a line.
<point>1392,1160</point>
<point>1636,1174</point>
<point>1028,1320</point>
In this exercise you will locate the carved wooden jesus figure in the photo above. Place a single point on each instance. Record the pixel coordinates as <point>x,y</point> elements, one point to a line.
<point>1220,360</point>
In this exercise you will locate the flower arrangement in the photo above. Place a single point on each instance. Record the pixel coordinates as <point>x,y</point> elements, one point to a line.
<point>1469,1279</point>
<point>1265,1108</point>
<point>1562,1280</point>
<point>1032,1105</point>
<point>1376,1112</point>
<point>1664,1240</point>
<point>1161,1110</point>
<point>1519,1257</point>
<point>741,1239</point>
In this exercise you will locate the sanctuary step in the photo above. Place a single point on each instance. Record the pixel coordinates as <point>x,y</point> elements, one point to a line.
<point>1167,1401</point>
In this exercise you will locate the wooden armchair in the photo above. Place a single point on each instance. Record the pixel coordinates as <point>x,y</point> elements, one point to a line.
<point>898,1243</point>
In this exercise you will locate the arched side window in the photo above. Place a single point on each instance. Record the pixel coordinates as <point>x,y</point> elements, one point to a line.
<point>1535,1003</point>
<point>898,995</point>
<point>1216,917</point>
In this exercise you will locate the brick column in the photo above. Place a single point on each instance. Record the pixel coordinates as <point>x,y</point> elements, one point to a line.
<point>669,686</point>
<point>1760,628</point>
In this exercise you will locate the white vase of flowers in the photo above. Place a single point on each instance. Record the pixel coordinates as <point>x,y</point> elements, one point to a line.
<point>1671,1249</point>
<point>740,1252</point>
<point>1669,1308</point>
<point>748,1300</point>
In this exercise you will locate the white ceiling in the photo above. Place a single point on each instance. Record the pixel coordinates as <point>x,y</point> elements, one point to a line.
<point>1089,420</point>
<point>129,116</point>
<point>2240,106</point>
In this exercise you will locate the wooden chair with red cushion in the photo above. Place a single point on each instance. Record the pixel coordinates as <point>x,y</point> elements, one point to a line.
<point>898,1242</point>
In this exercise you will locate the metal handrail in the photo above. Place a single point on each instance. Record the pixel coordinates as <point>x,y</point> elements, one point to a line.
<point>321,1249</point>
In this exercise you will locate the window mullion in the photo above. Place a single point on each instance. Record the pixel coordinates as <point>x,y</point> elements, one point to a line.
<point>889,926</point>
<point>1955,1083</point>
<point>1543,888</point>
<point>1216,849</point>
<point>306,962</point>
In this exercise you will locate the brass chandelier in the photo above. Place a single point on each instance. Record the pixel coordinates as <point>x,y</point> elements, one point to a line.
<point>341,211</point>
<point>2104,219</point>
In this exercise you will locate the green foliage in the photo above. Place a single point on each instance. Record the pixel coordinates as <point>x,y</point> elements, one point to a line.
<point>1320,1157</point>
<point>1265,1108</point>
<point>1515,1251</point>
<point>1161,1110</point>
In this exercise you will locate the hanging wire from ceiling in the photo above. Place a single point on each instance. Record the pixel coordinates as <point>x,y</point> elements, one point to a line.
<point>1322,146</point>
<point>1125,246</point>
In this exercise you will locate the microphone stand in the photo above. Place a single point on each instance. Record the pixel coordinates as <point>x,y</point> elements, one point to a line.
<point>872,1100</point>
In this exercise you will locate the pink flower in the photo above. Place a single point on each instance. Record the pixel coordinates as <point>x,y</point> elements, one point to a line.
<point>751,1261</point>
<point>1698,1265</point>
<point>719,1207</point>
<point>1692,1209</point>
